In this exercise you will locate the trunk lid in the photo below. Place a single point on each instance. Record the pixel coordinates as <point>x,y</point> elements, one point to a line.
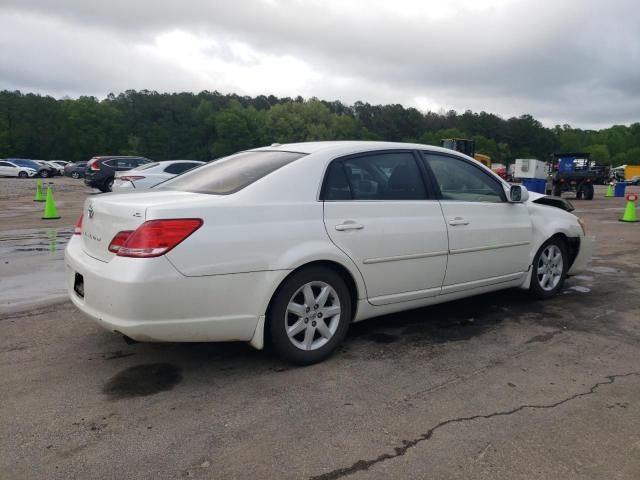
<point>104,216</point>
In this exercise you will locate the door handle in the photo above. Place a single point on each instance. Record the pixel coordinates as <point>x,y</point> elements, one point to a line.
<point>349,225</point>
<point>458,221</point>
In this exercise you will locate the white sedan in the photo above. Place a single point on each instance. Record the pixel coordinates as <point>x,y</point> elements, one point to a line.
<point>289,244</point>
<point>149,175</point>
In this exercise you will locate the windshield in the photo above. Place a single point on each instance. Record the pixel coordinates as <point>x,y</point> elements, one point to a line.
<point>230,174</point>
<point>25,163</point>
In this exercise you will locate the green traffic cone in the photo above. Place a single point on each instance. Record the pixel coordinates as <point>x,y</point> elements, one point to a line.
<point>39,194</point>
<point>50,211</point>
<point>609,191</point>
<point>630,210</point>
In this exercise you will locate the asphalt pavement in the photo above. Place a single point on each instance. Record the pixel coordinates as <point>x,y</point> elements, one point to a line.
<point>497,386</point>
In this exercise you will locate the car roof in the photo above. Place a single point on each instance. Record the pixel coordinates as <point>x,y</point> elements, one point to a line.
<point>109,157</point>
<point>348,146</point>
<point>165,162</point>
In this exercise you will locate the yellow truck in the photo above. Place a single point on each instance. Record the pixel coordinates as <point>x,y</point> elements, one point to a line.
<point>626,172</point>
<point>468,147</point>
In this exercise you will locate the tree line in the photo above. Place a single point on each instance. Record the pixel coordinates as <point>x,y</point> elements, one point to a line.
<point>209,125</point>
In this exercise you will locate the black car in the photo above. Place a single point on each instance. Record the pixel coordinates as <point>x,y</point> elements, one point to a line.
<point>75,170</point>
<point>100,171</point>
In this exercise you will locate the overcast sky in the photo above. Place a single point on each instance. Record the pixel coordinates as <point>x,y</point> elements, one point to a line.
<point>562,61</point>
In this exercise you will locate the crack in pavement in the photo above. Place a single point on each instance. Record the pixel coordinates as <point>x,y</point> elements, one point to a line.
<point>364,465</point>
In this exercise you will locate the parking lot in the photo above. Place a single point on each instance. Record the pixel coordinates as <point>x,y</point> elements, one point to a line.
<point>497,386</point>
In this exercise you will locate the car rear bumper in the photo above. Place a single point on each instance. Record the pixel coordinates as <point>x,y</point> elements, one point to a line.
<point>123,187</point>
<point>583,258</point>
<point>149,300</point>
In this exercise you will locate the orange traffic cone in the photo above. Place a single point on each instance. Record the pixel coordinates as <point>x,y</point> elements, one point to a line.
<point>50,211</point>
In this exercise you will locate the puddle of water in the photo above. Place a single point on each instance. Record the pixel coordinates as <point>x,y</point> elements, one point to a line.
<point>32,267</point>
<point>579,288</point>
<point>584,278</point>
<point>604,270</point>
<point>46,240</point>
<point>142,380</point>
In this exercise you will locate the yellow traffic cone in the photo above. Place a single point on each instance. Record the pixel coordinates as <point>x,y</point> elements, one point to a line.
<point>39,195</point>
<point>609,191</point>
<point>630,210</point>
<point>50,211</point>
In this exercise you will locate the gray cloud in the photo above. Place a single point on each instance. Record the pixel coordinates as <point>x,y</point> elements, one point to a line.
<point>572,62</point>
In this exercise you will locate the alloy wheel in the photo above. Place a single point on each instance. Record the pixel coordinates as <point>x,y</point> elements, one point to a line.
<point>550,267</point>
<point>312,316</point>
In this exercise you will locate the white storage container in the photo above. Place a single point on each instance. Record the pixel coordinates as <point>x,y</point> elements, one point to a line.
<point>531,168</point>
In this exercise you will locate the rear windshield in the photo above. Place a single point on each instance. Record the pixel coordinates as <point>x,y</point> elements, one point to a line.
<point>231,174</point>
<point>144,166</point>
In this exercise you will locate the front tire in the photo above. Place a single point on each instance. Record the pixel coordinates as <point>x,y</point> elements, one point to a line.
<point>44,174</point>
<point>75,175</point>
<point>550,267</point>
<point>309,316</point>
<point>23,175</point>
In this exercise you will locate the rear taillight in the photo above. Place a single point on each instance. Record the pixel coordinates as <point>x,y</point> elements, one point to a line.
<point>154,238</point>
<point>130,178</point>
<point>77,230</point>
<point>119,240</point>
<point>94,164</point>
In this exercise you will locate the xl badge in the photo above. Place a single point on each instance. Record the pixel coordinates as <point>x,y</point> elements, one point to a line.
<point>90,211</point>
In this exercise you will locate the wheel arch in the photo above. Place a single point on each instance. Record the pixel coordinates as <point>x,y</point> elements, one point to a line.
<point>356,289</point>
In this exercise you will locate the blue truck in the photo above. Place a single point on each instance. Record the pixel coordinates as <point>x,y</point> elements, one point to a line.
<point>573,172</point>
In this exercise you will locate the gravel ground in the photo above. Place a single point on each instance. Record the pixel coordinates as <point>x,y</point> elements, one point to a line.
<point>496,386</point>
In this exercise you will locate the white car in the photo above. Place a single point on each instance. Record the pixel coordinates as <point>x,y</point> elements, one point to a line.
<point>10,169</point>
<point>291,243</point>
<point>149,175</point>
<point>59,164</point>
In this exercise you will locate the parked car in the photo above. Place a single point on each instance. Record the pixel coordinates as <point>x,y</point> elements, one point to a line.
<point>60,163</point>
<point>151,174</point>
<point>11,169</point>
<point>75,170</point>
<point>291,243</point>
<point>27,163</point>
<point>100,171</point>
<point>635,180</point>
<point>46,169</point>
<point>59,169</point>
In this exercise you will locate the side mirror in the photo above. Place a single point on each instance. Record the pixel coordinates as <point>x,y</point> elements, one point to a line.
<point>518,194</point>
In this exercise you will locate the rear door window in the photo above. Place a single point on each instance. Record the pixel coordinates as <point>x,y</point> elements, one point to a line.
<point>231,174</point>
<point>375,176</point>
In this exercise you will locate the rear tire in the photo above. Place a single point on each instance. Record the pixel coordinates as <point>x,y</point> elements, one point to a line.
<point>44,174</point>
<point>107,186</point>
<point>550,267</point>
<point>75,175</point>
<point>309,316</point>
<point>588,192</point>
